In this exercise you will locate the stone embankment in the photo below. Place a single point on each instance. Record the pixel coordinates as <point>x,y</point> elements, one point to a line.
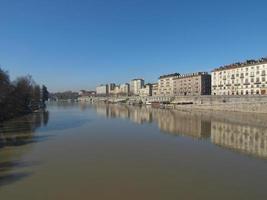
<point>253,104</point>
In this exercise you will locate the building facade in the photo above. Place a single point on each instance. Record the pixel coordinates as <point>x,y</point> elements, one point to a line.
<point>166,84</point>
<point>125,89</point>
<point>192,84</point>
<point>102,90</point>
<point>155,89</point>
<point>248,78</point>
<point>111,88</point>
<point>136,85</point>
<point>146,90</point>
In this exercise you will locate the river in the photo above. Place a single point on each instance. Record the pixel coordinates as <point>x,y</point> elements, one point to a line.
<point>97,151</point>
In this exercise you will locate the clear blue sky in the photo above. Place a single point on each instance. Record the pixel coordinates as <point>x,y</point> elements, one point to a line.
<point>77,44</point>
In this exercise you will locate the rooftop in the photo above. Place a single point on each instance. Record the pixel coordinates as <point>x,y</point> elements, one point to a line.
<point>137,79</point>
<point>192,74</point>
<point>242,64</point>
<point>169,75</point>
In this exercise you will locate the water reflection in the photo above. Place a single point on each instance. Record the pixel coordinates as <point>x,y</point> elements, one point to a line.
<point>18,132</point>
<point>245,133</point>
<point>244,138</point>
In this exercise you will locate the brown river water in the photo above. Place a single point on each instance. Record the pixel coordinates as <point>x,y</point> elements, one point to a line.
<point>95,151</point>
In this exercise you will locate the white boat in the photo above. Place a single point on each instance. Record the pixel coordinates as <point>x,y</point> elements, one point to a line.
<point>148,103</point>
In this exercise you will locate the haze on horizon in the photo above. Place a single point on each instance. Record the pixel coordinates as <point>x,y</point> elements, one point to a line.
<point>72,45</point>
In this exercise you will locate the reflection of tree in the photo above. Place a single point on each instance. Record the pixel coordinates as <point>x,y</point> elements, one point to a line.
<point>6,177</point>
<point>18,132</point>
<point>45,117</point>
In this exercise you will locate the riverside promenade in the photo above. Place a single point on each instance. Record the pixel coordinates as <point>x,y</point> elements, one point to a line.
<point>254,104</point>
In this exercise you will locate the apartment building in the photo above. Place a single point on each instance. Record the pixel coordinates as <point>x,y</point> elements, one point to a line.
<point>166,84</point>
<point>146,90</point>
<point>247,78</point>
<point>155,89</point>
<point>111,88</point>
<point>102,90</point>
<point>136,85</point>
<point>125,89</point>
<point>192,84</point>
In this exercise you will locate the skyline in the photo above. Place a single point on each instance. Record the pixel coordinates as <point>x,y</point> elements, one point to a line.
<point>69,45</point>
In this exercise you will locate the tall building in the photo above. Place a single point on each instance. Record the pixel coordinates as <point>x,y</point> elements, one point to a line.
<point>136,85</point>
<point>102,90</point>
<point>146,90</point>
<point>192,84</point>
<point>166,84</point>
<point>246,78</point>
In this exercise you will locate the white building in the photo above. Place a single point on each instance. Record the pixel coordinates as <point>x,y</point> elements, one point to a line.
<point>247,78</point>
<point>136,85</point>
<point>146,91</point>
<point>102,90</point>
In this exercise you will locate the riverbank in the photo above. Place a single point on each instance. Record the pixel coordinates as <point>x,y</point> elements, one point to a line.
<point>250,104</point>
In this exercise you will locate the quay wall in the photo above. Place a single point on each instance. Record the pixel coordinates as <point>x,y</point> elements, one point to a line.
<point>255,103</point>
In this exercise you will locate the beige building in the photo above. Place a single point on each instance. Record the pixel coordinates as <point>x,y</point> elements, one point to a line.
<point>155,89</point>
<point>102,90</point>
<point>136,85</point>
<point>111,88</point>
<point>146,91</point>
<point>124,89</point>
<point>246,78</point>
<point>166,84</point>
<point>192,84</point>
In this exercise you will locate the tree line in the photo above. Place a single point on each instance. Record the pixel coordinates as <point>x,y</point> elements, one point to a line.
<point>20,97</point>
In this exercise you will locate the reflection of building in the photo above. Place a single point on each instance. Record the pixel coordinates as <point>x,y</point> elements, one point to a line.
<point>248,139</point>
<point>140,115</point>
<point>176,123</point>
<point>182,123</point>
<point>146,90</point>
<point>165,84</point>
<point>192,84</point>
<point>136,85</point>
<point>240,78</point>
<point>243,133</point>
<point>102,90</point>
